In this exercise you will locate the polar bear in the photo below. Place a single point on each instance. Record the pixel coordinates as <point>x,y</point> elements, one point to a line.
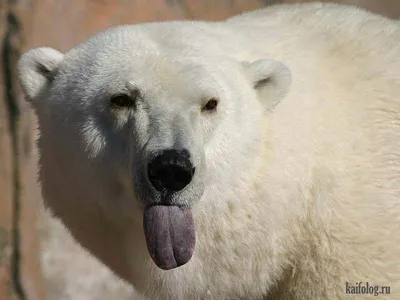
<point>252,158</point>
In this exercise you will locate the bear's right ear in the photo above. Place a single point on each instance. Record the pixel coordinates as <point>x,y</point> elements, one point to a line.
<point>36,70</point>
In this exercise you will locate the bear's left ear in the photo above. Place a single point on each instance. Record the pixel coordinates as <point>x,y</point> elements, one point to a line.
<point>36,70</point>
<point>271,79</point>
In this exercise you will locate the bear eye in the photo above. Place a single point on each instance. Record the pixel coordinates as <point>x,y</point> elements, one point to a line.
<point>211,105</point>
<point>122,101</point>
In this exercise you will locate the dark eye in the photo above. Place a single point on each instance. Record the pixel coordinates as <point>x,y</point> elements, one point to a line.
<point>122,101</point>
<point>211,105</point>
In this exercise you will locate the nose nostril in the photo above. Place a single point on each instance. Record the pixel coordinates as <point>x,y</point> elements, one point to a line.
<point>170,171</point>
<point>177,178</point>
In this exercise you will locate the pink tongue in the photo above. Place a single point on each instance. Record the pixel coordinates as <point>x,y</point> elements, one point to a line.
<point>170,235</point>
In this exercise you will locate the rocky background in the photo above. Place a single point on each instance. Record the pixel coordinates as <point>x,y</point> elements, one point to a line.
<point>38,258</point>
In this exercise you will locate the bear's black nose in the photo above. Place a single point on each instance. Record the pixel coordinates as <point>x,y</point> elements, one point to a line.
<point>170,171</point>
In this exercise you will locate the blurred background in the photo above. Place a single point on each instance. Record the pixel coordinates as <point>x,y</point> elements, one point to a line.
<point>38,258</point>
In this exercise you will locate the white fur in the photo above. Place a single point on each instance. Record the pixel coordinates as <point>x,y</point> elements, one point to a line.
<point>292,198</point>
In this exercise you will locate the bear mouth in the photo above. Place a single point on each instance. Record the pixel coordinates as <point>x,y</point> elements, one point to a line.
<point>170,235</point>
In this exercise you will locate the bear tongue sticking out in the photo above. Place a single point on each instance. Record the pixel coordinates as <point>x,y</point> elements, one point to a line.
<point>170,235</point>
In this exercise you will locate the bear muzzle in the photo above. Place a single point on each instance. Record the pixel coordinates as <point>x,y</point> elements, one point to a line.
<point>168,226</point>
